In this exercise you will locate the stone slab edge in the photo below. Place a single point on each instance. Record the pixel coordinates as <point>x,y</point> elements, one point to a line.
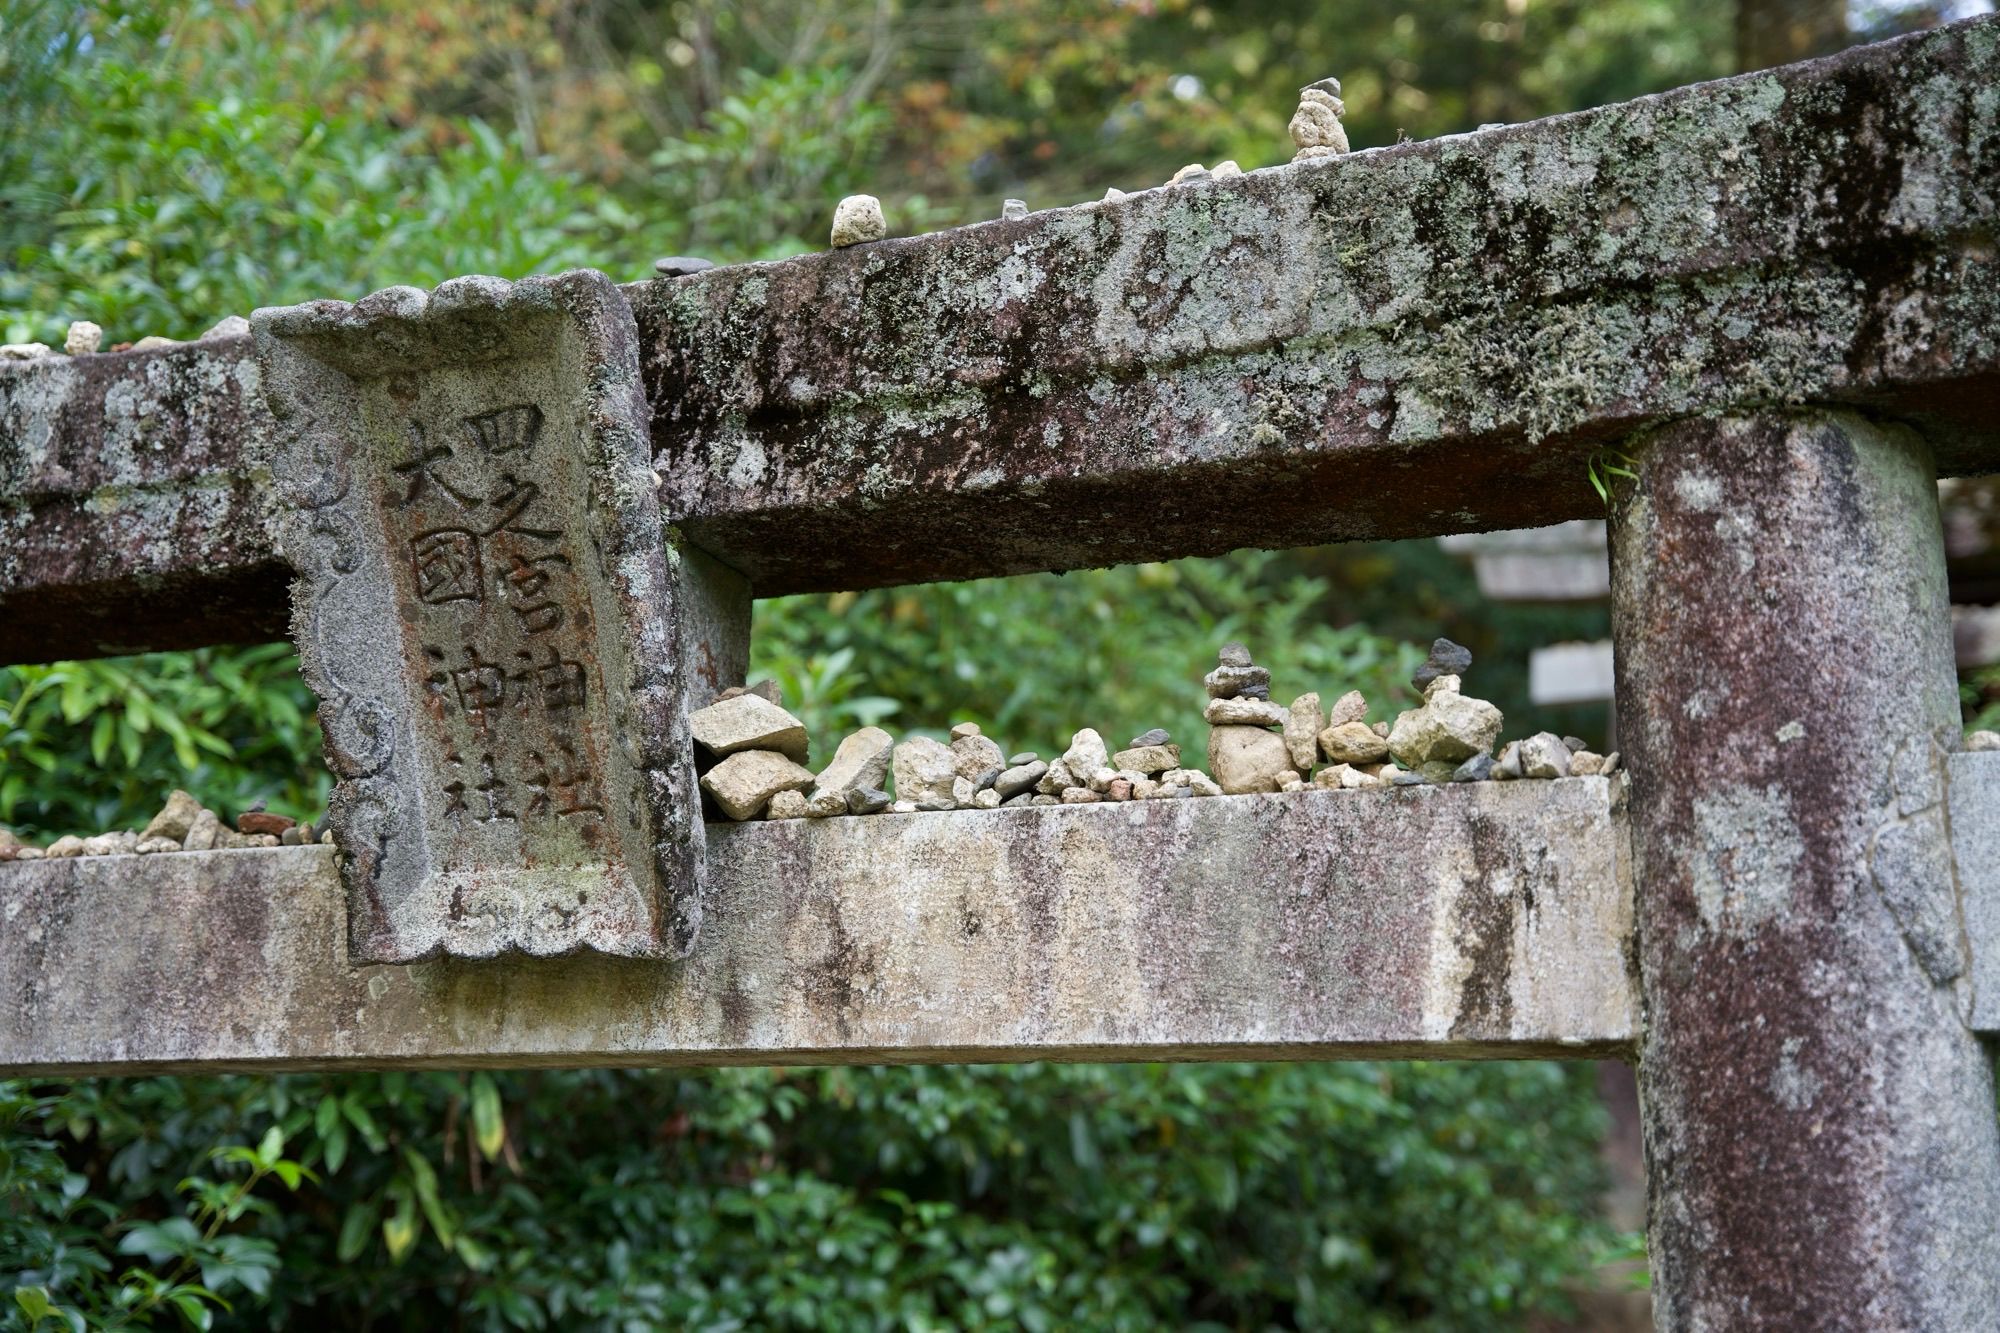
<point>1473,921</point>
<point>1973,791</point>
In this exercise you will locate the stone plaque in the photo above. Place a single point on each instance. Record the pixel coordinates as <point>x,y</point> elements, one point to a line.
<point>485,608</point>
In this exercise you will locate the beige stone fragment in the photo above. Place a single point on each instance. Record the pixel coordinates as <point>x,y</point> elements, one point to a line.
<point>1349,707</point>
<point>1585,763</point>
<point>151,846</point>
<point>1303,723</point>
<point>786,805</point>
<point>1247,759</point>
<point>1353,743</point>
<point>1148,759</point>
<point>744,783</point>
<point>748,722</point>
<point>175,817</point>
<point>153,342</point>
<point>204,832</point>
<point>977,758</point>
<point>825,805</point>
<point>925,770</point>
<point>986,799</point>
<point>862,760</point>
<point>1080,796</point>
<point>83,338</point>
<point>1086,754</point>
<point>67,845</point>
<point>857,219</point>
<point>1242,712</point>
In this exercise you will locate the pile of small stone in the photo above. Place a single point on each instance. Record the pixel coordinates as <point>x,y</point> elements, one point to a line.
<point>183,825</point>
<point>1255,745</point>
<point>753,753</point>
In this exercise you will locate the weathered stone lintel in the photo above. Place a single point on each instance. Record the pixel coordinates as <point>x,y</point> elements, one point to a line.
<point>1408,341</point>
<point>1469,921</point>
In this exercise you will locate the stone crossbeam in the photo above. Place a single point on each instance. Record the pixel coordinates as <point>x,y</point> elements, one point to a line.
<point>1420,339</point>
<point>1476,920</point>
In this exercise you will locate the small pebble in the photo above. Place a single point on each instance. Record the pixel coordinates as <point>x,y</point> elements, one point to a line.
<point>964,729</point>
<point>1226,167</point>
<point>83,338</point>
<point>1025,757</point>
<point>1243,711</point>
<point>153,342</point>
<point>1979,742</point>
<point>987,800</point>
<point>1575,743</point>
<point>24,351</point>
<point>1013,210</point>
<point>1157,736</point>
<point>786,805</point>
<point>1584,763</point>
<point>1403,779</point>
<point>1080,796</point>
<point>229,326</point>
<point>681,266</point>
<point>858,219</point>
<point>1118,789</point>
<point>903,808</point>
<point>1113,195</point>
<point>1193,171</point>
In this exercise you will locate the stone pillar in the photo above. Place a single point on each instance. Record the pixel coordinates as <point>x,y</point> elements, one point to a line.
<point>1821,1142</point>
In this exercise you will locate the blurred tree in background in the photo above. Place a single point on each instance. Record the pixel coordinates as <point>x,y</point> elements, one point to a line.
<point>163,165</point>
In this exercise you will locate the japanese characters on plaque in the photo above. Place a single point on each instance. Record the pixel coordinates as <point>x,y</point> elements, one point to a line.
<point>507,665</point>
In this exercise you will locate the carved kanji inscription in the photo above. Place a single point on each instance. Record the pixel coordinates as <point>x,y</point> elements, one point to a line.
<point>484,607</point>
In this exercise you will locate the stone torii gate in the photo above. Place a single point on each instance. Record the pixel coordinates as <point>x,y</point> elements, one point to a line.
<point>1775,298</point>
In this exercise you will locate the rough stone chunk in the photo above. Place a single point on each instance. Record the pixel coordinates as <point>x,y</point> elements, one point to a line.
<point>961,730</point>
<point>153,342</point>
<point>1247,759</point>
<point>1576,743</point>
<point>825,804</point>
<point>1446,659</point>
<point>978,759</point>
<point>1013,210</point>
<point>1611,762</point>
<point>1157,736</point>
<point>787,805</point>
<point>903,808</point>
<point>748,722</point>
<point>861,761</point>
<point>85,337</point>
<point>925,770</point>
<point>1585,763</point>
<point>1043,798</point>
<point>1507,764</point>
<point>25,352</point>
<point>1101,780</point>
<point>1086,754</point>
<point>1449,727</point>
<point>867,801</point>
<point>987,799</point>
<point>1476,769</point>
<point>1543,755</point>
<point>856,219</point>
<point>1148,759</point>
<point>174,818</point>
<point>1080,796</point>
<point>1014,781</point>
<point>1349,707</point>
<point>962,792</point>
<point>1243,711</point>
<point>1225,168</point>
<point>1015,802</point>
<point>67,845</point>
<point>1303,723</point>
<point>1329,777</point>
<point>154,846</point>
<point>111,844</point>
<point>1353,743</point>
<point>1979,741</point>
<point>204,832</point>
<point>744,783</point>
<point>298,835</point>
<point>1145,789</point>
<point>1118,789</point>
<point>1057,780</point>
<point>1193,171</point>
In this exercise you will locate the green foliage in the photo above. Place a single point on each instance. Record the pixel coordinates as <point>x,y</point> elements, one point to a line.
<point>1033,658</point>
<point>1351,1197</point>
<point>70,1259</point>
<point>89,746</point>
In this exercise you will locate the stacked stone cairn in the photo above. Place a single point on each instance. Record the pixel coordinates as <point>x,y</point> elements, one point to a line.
<point>1315,127</point>
<point>183,825</point>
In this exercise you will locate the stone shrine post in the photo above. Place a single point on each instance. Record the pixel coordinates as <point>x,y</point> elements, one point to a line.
<point>1821,1143</point>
